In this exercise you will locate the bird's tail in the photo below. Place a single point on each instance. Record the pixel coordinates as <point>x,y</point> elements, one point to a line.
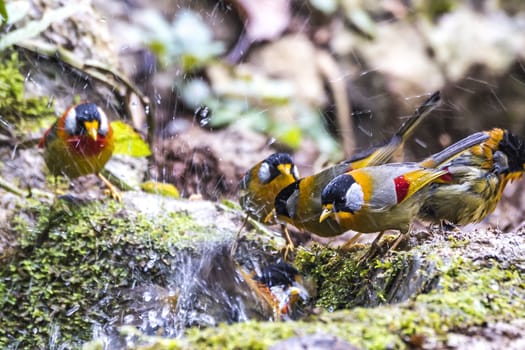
<point>408,127</point>
<point>454,150</point>
<point>383,154</point>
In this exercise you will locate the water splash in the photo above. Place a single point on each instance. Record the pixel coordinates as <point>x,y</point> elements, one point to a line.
<point>203,115</point>
<point>205,287</point>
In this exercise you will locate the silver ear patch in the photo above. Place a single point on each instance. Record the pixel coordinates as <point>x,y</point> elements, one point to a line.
<point>354,197</point>
<point>264,173</point>
<point>70,123</point>
<point>295,172</point>
<point>291,203</point>
<point>104,123</point>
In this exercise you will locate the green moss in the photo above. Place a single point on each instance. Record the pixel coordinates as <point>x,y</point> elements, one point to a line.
<point>468,294</point>
<point>343,283</point>
<point>24,114</point>
<point>75,263</point>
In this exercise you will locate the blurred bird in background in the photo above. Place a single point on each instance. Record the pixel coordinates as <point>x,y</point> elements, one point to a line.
<point>79,143</point>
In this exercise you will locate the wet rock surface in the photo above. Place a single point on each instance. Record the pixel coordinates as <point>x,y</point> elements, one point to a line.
<point>154,266</point>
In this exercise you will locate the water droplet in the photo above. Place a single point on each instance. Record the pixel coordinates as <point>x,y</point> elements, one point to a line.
<point>6,125</point>
<point>72,310</point>
<point>165,312</point>
<point>129,319</point>
<point>203,115</point>
<point>50,101</point>
<point>421,143</point>
<point>147,296</point>
<point>150,265</point>
<point>153,318</point>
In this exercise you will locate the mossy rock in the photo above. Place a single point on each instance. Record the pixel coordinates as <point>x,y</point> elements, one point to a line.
<point>20,113</point>
<point>89,270</point>
<point>87,266</point>
<point>467,287</point>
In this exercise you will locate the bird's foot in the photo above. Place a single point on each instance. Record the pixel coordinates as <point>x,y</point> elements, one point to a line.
<point>398,240</point>
<point>290,246</point>
<point>351,242</point>
<point>370,253</point>
<point>113,191</point>
<point>288,249</point>
<point>373,250</point>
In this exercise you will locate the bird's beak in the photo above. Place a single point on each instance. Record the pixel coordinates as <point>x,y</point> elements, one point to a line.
<point>297,293</point>
<point>285,168</point>
<point>92,129</point>
<point>327,212</point>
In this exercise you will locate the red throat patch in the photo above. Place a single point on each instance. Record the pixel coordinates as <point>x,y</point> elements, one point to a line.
<point>86,146</point>
<point>402,186</point>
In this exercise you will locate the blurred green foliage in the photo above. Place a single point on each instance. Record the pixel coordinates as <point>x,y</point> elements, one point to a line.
<point>186,41</point>
<point>18,113</point>
<point>265,105</point>
<point>128,141</point>
<point>240,97</point>
<point>164,189</point>
<point>3,13</point>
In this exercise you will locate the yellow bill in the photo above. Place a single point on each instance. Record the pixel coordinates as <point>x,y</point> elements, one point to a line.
<point>92,129</point>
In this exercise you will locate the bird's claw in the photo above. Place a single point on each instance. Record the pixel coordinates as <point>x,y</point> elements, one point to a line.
<point>288,249</point>
<point>111,189</point>
<point>114,193</point>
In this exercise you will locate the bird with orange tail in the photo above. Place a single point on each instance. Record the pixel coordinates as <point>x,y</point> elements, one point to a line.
<point>299,203</point>
<point>479,177</point>
<point>79,143</point>
<point>389,196</point>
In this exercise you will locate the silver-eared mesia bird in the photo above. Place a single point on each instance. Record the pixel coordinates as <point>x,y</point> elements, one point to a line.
<point>263,181</point>
<point>388,196</point>
<point>79,143</point>
<point>281,286</point>
<point>260,185</point>
<point>478,178</point>
<point>299,203</point>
